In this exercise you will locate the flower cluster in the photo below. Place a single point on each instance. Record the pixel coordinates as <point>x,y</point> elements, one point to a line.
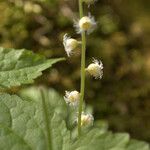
<point>86,24</point>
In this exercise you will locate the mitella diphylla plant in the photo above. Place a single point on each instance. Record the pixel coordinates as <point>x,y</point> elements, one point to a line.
<point>85,25</point>
<point>38,118</point>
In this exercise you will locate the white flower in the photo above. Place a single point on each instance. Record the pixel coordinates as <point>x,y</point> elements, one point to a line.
<point>89,1</point>
<point>86,23</point>
<point>70,44</point>
<point>95,69</point>
<point>72,98</point>
<point>86,119</point>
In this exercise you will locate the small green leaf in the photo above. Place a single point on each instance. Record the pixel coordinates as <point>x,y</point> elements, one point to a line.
<point>21,66</point>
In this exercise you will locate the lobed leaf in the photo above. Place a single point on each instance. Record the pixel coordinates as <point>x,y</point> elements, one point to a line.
<point>23,126</point>
<point>21,66</point>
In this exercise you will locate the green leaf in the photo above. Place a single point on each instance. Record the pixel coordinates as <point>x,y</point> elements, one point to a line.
<point>11,141</point>
<point>101,140</point>
<point>25,124</point>
<point>25,121</point>
<point>137,145</point>
<point>21,66</point>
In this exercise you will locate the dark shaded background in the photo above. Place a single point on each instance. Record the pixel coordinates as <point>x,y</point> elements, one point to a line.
<point>121,41</point>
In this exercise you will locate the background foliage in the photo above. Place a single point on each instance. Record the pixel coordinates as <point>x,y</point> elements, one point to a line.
<point>121,41</point>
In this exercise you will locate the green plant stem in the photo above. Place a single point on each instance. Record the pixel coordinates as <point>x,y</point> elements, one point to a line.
<point>45,113</point>
<point>82,85</point>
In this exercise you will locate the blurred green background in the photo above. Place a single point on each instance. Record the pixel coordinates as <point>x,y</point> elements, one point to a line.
<point>121,41</point>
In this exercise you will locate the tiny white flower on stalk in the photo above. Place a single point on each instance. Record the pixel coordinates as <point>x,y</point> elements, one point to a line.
<point>86,119</point>
<point>70,44</point>
<point>95,69</point>
<point>72,98</point>
<point>86,23</point>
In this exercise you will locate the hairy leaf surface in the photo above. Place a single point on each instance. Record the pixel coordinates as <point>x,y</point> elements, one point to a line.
<point>21,66</point>
<point>23,126</point>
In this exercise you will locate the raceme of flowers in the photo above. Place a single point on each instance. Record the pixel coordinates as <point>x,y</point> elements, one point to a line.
<point>86,24</point>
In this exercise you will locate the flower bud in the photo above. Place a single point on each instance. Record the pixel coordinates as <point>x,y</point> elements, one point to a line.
<point>86,119</point>
<point>95,69</point>
<point>70,44</point>
<point>86,23</point>
<point>72,98</point>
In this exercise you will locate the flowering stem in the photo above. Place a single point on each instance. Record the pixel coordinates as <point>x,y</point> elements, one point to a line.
<point>82,85</point>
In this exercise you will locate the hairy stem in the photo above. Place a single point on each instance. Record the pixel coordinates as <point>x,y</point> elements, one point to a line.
<point>82,85</point>
<point>45,113</point>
